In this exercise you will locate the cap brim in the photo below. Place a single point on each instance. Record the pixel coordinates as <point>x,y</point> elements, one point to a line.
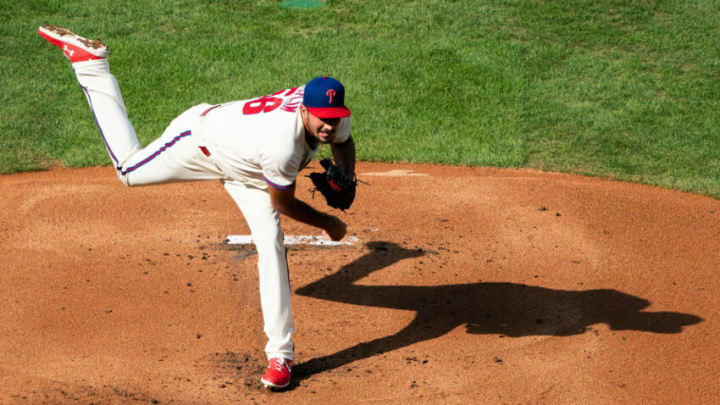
<point>329,112</point>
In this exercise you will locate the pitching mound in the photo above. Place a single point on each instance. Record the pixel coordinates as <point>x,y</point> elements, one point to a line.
<point>459,285</point>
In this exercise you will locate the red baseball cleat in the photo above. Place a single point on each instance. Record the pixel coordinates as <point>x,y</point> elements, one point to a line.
<point>277,374</point>
<point>75,47</point>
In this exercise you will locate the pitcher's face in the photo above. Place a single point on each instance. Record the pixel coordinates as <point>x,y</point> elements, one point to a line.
<point>322,129</point>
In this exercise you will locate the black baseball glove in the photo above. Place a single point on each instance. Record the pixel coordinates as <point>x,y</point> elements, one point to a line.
<point>337,187</point>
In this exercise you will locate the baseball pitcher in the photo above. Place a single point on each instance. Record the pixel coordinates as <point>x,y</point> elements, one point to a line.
<point>255,147</point>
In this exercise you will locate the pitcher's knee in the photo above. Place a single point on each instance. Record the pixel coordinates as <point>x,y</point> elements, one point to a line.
<point>123,178</point>
<point>268,241</point>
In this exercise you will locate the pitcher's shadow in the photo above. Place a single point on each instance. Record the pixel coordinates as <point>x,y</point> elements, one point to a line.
<point>508,309</point>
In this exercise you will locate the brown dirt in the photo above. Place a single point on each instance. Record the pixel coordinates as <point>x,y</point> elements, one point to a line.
<point>469,285</point>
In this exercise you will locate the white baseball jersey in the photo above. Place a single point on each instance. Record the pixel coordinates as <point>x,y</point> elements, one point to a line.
<point>262,141</point>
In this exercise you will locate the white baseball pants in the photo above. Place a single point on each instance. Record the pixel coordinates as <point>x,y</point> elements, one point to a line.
<point>176,157</point>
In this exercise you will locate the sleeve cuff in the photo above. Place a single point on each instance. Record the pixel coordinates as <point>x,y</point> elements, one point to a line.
<point>278,186</point>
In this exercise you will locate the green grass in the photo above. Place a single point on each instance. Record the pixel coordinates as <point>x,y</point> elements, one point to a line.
<point>621,89</point>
